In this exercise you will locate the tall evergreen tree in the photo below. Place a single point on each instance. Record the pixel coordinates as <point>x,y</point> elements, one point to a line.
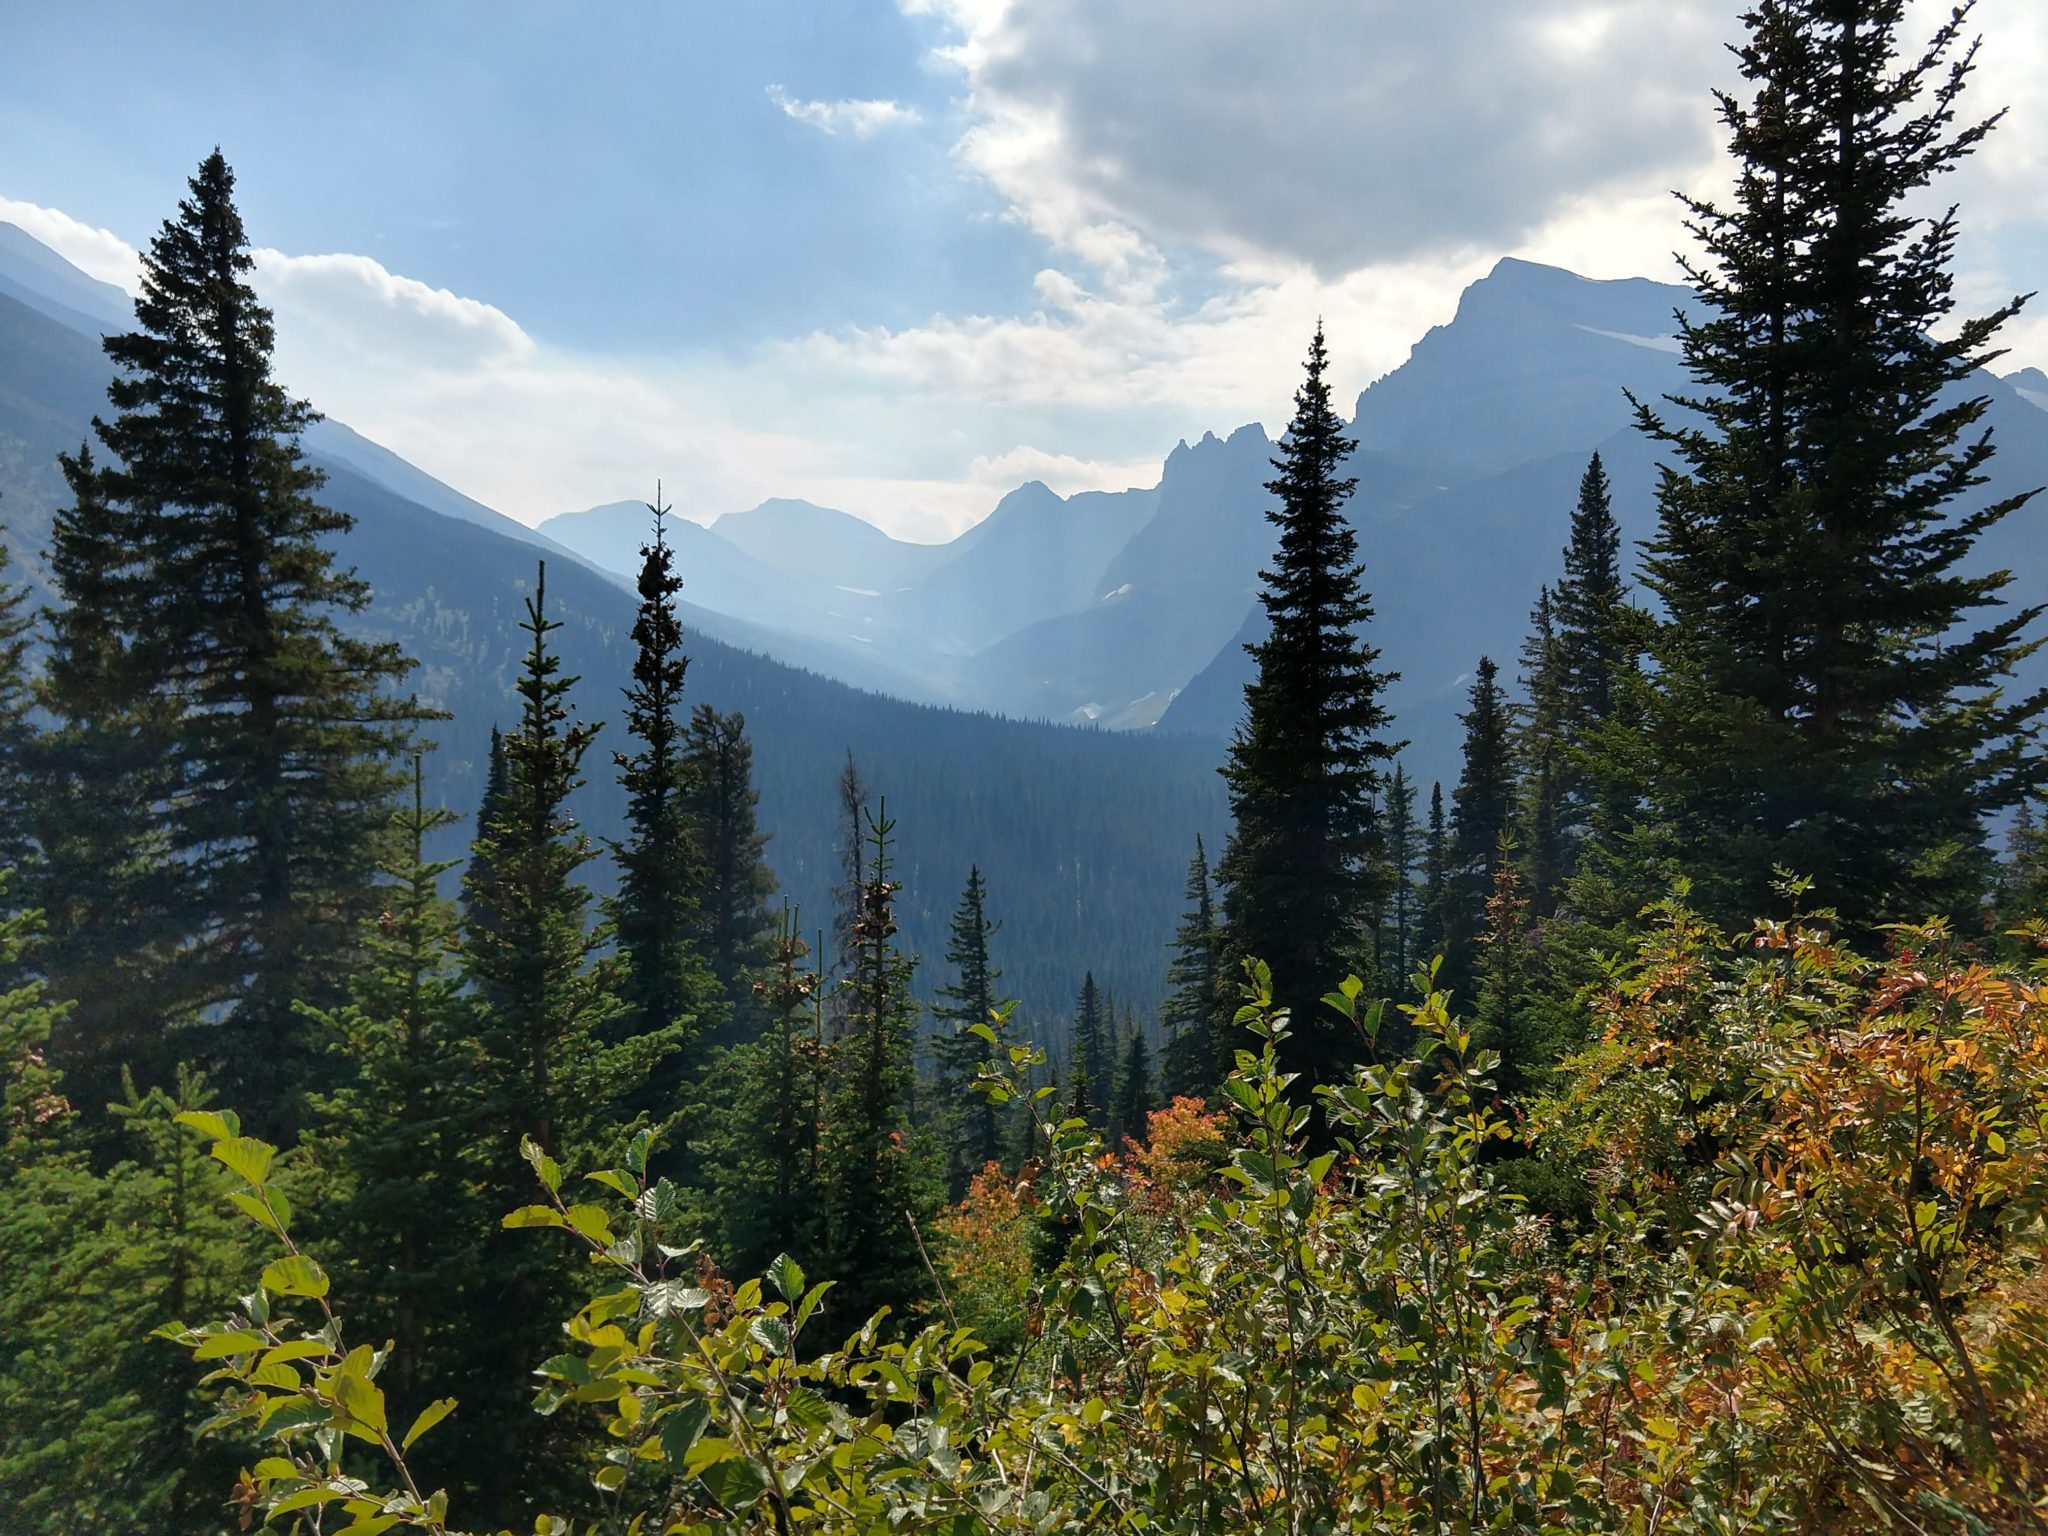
<point>1132,1102</point>
<point>287,734</point>
<point>762,1155</point>
<point>661,872</point>
<point>1542,745</point>
<point>1592,649</point>
<point>1481,805</point>
<point>973,1126</point>
<point>876,1189</point>
<point>101,771</point>
<point>549,1007</point>
<point>1436,880</point>
<point>496,796</point>
<point>17,730</point>
<point>735,925</point>
<point>1305,868</point>
<point>1191,1063</point>
<point>1821,699</point>
<point>1400,914</point>
<point>1093,1049</point>
<point>393,1140</point>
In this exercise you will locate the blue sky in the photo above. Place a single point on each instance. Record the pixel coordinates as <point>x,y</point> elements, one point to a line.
<point>901,256</point>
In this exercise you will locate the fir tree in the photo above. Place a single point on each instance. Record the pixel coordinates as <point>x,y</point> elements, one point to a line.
<point>849,894</point>
<point>1821,701</point>
<point>1132,1101</point>
<point>1305,867</point>
<point>1192,1064</point>
<point>664,983</point>
<point>17,731</point>
<point>974,1128</point>
<point>496,796</point>
<point>735,925</point>
<point>1592,649</point>
<point>287,735</point>
<point>875,1188</point>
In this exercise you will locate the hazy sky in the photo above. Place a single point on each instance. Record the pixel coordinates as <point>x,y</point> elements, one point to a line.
<point>895,257</point>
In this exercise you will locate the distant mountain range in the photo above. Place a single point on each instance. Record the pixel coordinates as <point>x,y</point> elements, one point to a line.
<point>1131,610</point>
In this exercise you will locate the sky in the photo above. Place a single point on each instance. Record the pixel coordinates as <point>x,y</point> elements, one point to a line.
<point>898,256</point>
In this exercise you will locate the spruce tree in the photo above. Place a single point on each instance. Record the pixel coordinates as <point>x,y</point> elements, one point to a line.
<point>1191,1063</point>
<point>101,773</point>
<point>875,1186</point>
<point>661,876</point>
<point>1592,649</point>
<point>972,1123</point>
<point>1305,867</point>
<point>17,729</point>
<point>287,736</point>
<point>497,790</point>
<point>1823,700</point>
<point>735,927</point>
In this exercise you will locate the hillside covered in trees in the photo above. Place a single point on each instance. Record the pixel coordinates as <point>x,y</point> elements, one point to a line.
<point>1645,1129</point>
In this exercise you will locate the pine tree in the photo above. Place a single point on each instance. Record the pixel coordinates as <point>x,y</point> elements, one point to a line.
<point>664,983</point>
<point>1820,700</point>
<point>735,925</point>
<point>393,1139</point>
<point>1132,1101</point>
<point>1305,867</point>
<point>496,796</point>
<point>287,735</point>
<point>974,1128</point>
<point>1481,805</point>
<point>17,729</point>
<point>1399,952</point>
<point>875,1188</point>
<point>1094,1050</point>
<point>1191,1064</point>
<point>100,772</point>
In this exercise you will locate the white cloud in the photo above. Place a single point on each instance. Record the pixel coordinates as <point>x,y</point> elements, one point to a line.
<point>862,119</point>
<point>96,252</point>
<point>343,304</point>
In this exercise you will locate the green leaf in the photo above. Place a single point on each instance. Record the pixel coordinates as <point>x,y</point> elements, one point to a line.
<point>294,1275</point>
<point>256,1211</point>
<point>787,1276</point>
<point>219,1346</point>
<point>305,1498</point>
<point>214,1127</point>
<point>534,1216</point>
<point>430,1415</point>
<point>361,1400</point>
<point>682,1427</point>
<point>549,1170</point>
<point>611,1178</point>
<point>245,1156</point>
<point>771,1333</point>
<point>591,1221</point>
<point>735,1484</point>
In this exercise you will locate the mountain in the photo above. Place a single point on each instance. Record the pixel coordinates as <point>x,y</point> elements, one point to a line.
<point>826,545</point>
<point>2031,385</point>
<point>1084,835</point>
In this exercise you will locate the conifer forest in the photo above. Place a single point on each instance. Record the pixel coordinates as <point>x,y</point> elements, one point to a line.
<point>1641,1129</point>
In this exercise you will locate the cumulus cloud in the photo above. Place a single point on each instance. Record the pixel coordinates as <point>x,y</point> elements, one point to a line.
<point>346,303</point>
<point>1336,133</point>
<point>862,119</point>
<point>96,252</point>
